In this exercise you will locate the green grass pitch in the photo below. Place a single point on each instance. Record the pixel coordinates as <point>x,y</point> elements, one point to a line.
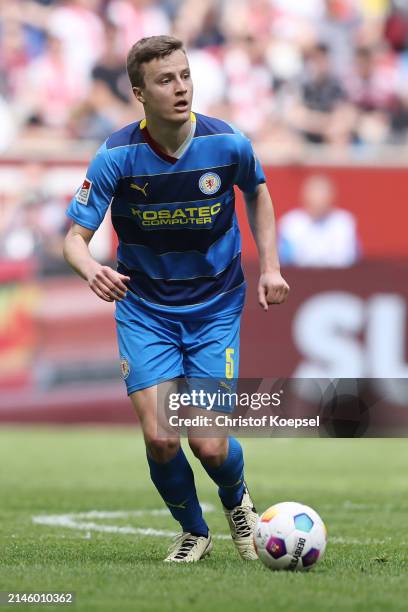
<point>358,486</point>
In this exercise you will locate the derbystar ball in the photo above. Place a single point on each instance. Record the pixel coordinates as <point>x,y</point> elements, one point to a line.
<point>290,536</point>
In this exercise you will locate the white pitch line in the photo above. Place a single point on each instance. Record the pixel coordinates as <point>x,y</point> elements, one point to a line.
<point>107,514</point>
<point>73,521</point>
<point>77,521</point>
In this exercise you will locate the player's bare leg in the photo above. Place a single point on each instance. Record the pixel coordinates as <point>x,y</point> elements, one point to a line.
<point>174,480</point>
<point>159,448</point>
<point>223,461</point>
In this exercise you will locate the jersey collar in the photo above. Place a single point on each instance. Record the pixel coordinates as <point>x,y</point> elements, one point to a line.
<point>156,148</point>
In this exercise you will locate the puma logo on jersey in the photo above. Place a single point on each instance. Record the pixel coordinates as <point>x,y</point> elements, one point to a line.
<point>142,189</point>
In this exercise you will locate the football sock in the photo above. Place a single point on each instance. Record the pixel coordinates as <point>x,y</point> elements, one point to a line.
<point>174,481</point>
<point>229,476</point>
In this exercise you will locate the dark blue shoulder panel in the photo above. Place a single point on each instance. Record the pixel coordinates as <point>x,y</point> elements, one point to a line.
<point>128,135</point>
<point>210,125</point>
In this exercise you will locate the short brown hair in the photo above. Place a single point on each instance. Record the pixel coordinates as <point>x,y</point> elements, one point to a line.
<point>147,49</point>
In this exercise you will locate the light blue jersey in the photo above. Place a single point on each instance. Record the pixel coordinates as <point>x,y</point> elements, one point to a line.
<point>179,243</point>
<point>179,240</point>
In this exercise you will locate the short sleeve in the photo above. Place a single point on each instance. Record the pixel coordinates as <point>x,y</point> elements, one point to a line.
<point>250,173</point>
<point>89,205</point>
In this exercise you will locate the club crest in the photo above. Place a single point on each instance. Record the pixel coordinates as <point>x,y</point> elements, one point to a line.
<point>124,367</point>
<point>209,183</point>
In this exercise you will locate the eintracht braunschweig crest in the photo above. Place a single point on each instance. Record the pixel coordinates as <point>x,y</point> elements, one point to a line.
<point>209,183</point>
<point>124,367</point>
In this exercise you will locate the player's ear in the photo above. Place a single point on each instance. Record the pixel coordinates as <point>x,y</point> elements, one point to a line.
<point>137,92</point>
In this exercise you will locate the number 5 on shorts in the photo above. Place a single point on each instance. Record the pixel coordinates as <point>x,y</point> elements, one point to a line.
<point>229,363</point>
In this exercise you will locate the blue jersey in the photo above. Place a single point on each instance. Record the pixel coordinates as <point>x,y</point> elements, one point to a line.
<point>179,240</point>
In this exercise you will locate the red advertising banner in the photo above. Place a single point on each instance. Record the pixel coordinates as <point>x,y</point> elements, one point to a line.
<point>350,322</point>
<point>376,196</point>
<point>19,297</point>
<point>336,324</point>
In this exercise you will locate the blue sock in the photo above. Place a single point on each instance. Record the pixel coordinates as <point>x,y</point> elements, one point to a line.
<point>174,481</point>
<point>229,476</point>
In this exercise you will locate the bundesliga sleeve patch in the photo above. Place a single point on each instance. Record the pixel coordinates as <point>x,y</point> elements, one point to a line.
<point>83,193</point>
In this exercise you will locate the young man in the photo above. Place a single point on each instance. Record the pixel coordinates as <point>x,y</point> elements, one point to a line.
<point>179,287</point>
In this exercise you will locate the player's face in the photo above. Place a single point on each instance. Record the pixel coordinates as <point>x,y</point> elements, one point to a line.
<point>168,89</point>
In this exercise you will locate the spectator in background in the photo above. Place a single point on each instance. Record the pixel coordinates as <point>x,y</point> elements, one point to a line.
<point>312,9</point>
<point>8,127</point>
<point>371,89</point>
<point>318,233</point>
<point>110,70</point>
<point>338,28</point>
<point>372,81</point>
<point>396,26</point>
<point>33,223</point>
<point>265,51</point>
<point>243,18</point>
<point>14,56</point>
<point>249,85</point>
<point>107,104</point>
<point>50,87</point>
<point>399,117</point>
<point>199,24</point>
<point>211,34</point>
<point>78,25</point>
<point>209,94</point>
<point>137,19</point>
<point>322,112</point>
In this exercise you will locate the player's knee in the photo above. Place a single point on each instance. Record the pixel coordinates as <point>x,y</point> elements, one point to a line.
<point>209,452</point>
<point>160,449</point>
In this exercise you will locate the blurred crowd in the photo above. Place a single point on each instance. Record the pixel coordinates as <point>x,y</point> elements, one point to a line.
<point>284,71</point>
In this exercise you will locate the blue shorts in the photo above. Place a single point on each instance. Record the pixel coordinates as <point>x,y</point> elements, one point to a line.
<point>154,348</point>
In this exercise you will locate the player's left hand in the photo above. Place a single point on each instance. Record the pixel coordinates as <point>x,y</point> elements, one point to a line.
<point>272,289</point>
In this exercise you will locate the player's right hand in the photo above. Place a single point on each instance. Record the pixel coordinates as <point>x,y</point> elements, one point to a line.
<point>108,284</point>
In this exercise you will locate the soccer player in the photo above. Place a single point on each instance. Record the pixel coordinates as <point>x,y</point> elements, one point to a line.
<point>179,287</point>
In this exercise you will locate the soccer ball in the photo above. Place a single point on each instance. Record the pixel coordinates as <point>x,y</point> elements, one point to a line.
<point>290,536</point>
